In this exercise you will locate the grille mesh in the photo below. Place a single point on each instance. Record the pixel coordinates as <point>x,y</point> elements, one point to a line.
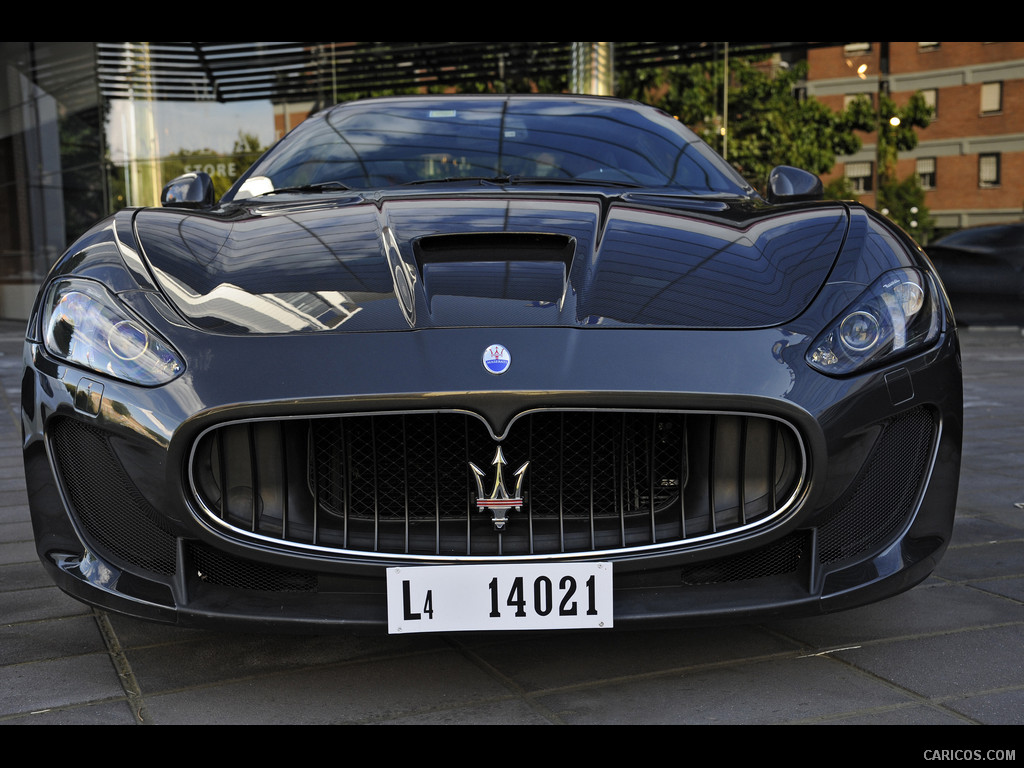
<point>780,557</point>
<point>884,495</point>
<point>220,568</point>
<point>598,463</point>
<point>108,505</point>
<point>402,484</point>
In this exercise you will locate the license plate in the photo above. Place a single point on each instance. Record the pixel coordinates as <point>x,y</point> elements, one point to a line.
<point>458,598</point>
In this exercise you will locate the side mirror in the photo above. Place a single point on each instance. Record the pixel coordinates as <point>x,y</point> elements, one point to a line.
<point>193,190</point>
<point>787,185</point>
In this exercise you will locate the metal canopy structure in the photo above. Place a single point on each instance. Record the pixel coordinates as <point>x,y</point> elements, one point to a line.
<point>295,71</point>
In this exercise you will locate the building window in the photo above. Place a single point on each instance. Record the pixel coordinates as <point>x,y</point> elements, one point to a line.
<point>988,170</point>
<point>849,98</point>
<point>856,48</point>
<point>860,176</point>
<point>991,98</point>
<point>927,46</point>
<point>931,98</point>
<point>926,172</point>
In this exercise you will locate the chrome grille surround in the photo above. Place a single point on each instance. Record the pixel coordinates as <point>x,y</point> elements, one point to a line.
<point>398,485</point>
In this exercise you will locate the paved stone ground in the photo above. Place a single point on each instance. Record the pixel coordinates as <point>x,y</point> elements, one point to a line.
<point>946,653</point>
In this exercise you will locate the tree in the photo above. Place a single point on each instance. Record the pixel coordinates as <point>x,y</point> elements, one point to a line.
<point>224,169</point>
<point>840,188</point>
<point>902,201</point>
<point>247,149</point>
<point>895,127</point>
<point>768,124</point>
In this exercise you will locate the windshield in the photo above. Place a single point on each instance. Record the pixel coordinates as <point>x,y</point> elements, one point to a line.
<point>385,143</point>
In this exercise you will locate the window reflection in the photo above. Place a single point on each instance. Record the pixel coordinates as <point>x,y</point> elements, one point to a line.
<point>68,157</point>
<point>153,142</point>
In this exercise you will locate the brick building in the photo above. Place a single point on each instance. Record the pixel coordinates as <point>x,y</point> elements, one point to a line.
<point>971,158</point>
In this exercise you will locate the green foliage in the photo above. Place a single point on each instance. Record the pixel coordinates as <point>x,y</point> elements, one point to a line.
<point>247,149</point>
<point>840,189</point>
<point>768,124</point>
<point>516,84</point>
<point>903,202</point>
<point>892,139</point>
<point>900,138</point>
<point>224,169</point>
<point>690,92</point>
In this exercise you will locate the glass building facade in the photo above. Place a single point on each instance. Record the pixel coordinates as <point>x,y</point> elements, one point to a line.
<point>69,155</point>
<point>87,128</point>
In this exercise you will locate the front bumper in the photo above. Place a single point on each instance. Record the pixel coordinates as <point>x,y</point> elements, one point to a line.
<point>883,454</point>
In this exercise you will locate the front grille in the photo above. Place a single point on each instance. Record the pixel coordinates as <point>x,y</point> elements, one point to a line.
<point>402,484</point>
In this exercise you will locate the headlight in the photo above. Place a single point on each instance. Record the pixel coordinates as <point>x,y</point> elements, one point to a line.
<point>897,314</point>
<point>84,324</point>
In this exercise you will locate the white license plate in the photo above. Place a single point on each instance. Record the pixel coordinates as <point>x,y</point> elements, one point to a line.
<point>456,598</point>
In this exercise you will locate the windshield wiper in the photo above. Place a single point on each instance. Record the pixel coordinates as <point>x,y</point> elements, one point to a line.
<point>457,179</point>
<point>323,186</point>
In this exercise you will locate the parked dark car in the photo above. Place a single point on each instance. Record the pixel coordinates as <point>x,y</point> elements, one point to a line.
<point>983,271</point>
<point>463,363</point>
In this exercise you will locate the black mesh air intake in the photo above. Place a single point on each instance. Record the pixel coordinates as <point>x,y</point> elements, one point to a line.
<point>885,494</point>
<point>118,521</point>
<point>214,567</point>
<point>778,558</point>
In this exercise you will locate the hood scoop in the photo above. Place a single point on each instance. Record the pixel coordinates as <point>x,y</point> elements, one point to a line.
<point>515,266</point>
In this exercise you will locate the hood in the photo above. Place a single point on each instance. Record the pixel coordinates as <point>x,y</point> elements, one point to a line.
<point>463,261</point>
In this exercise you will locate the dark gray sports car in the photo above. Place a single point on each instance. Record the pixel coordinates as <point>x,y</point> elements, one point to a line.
<point>464,363</point>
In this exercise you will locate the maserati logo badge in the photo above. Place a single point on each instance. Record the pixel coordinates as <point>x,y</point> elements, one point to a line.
<point>497,359</point>
<point>499,503</point>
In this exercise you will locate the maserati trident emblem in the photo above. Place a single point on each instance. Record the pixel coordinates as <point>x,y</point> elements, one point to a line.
<point>496,359</point>
<point>500,503</point>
